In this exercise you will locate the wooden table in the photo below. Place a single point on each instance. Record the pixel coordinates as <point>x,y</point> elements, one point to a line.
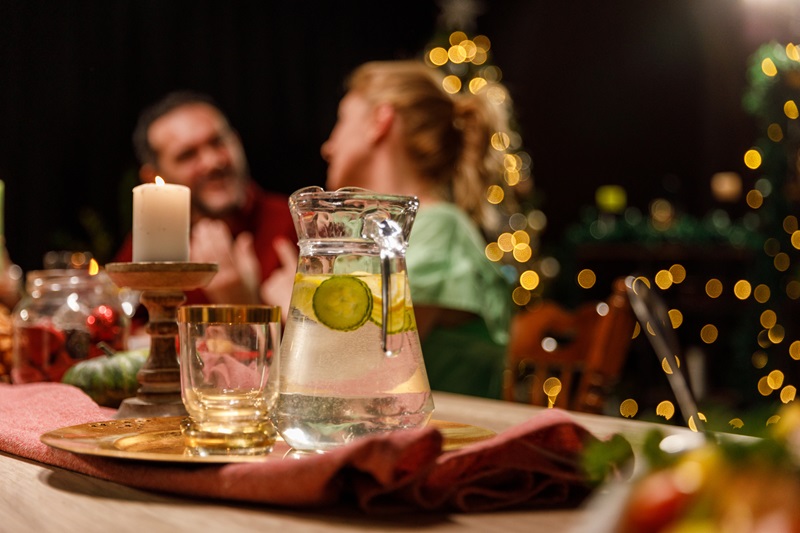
<point>42,498</point>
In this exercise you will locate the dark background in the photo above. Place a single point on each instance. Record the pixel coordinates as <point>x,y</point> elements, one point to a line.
<point>643,94</point>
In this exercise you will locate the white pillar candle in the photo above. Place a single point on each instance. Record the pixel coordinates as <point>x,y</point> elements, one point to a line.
<point>161,222</point>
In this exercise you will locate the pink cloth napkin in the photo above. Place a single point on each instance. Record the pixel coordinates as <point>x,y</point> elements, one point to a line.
<point>534,464</point>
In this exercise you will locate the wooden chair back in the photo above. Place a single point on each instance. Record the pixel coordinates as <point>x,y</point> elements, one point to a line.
<point>583,349</point>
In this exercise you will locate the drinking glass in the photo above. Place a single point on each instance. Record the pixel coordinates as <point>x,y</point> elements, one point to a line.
<point>229,361</point>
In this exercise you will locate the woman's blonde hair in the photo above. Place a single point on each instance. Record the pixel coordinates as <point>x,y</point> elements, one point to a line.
<point>448,137</point>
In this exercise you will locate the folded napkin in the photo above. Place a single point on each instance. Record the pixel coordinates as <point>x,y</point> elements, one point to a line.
<point>534,464</point>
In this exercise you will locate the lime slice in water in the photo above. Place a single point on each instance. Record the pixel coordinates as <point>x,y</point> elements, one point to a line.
<point>303,293</point>
<point>397,302</point>
<point>343,303</point>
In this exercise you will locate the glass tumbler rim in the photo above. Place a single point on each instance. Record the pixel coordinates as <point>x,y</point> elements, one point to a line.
<point>315,192</point>
<point>229,313</point>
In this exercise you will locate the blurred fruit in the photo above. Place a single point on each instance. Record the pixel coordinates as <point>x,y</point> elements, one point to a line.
<point>108,379</point>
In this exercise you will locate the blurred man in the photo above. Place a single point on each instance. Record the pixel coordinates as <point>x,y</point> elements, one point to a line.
<point>185,139</point>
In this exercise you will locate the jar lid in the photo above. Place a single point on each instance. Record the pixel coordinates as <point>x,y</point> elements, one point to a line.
<point>229,314</point>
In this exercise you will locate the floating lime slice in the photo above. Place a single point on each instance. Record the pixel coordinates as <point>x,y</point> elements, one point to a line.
<point>343,303</point>
<point>305,285</point>
<point>397,305</point>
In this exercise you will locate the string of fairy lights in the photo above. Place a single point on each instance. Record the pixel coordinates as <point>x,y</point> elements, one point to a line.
<point>466,64</point>
<point>774,165</point>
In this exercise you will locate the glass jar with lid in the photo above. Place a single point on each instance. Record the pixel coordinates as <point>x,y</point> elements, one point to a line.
<point>66,316</point>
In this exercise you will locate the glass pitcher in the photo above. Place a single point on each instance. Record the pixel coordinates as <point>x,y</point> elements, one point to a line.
<point>351,362</point>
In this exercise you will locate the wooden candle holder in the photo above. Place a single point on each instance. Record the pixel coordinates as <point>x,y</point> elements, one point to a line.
<point>163,286</point>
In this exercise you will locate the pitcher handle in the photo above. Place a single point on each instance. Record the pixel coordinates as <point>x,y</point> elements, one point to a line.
<point>389,236</point>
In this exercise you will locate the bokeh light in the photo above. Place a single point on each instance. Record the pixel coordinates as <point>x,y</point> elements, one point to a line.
<point>628,408</point>
<point>586,278</point>
<point>752,158</point>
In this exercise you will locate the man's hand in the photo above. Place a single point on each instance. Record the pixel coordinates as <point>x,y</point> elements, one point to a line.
<point>237,280</point>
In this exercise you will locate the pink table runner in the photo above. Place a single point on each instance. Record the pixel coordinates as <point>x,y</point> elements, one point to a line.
<point>534,464</point>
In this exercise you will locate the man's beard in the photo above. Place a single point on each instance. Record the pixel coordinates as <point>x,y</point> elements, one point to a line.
<point>233,198</point>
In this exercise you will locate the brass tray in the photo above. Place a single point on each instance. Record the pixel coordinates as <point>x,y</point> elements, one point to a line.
<point>160,439</point>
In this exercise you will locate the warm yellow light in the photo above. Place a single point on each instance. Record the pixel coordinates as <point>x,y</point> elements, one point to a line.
<point>742,289</point>
<point>469,47</point>
<point>500,141</point>
<point>761,293</point>
<point>781,262</point>
<point>776,334</point>
<point>666,367</point>
<point>506,242</point>
<point>736,423</point>
<point>512,162</point>
<point>495,194</point>
<point>665,409</point>
<point>94,268</point>
<point>480,57</point>
<point>768,67</point>
<point>529,280</point>
<point>457,54</point>
<point>775,379</point>
<point>793,289</point>
<point>793,52</point>
<point>521,296</point>
<point>713,288</point>
<point>763,387</point>
<point>522,252</point>
<point>482,42</point>
<point>438,56</point>
<point>511,176</point>
<point>521,237</point>
<point>663,279</point>
<point>675,317</point>
<point>451,84</point>
<point>796,239</point>
<point>790,224</point>
<point>552,386</point>
<point>493,252</point>
<point>628,408</point>
<point>755,199</point>
<point>709,333</point>
<point>476,84</point>
<point>794,350</point>
<point>456,37</point>
<point>586,278</point>
<point>768,318</point>
<point>763,339</point>
<point>752,158</point>
<point>678,273</point>
<point>788,393</point>
<point>790,109</point>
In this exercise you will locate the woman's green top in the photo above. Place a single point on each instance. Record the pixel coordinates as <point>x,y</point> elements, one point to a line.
<point>448,268</point>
